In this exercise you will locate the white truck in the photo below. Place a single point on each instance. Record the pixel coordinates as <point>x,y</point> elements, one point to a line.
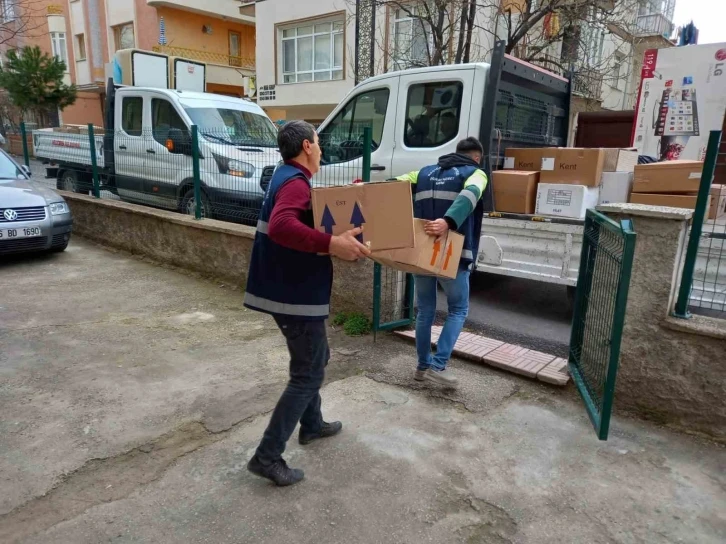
<point>420,114</point>
<point>144,155</point>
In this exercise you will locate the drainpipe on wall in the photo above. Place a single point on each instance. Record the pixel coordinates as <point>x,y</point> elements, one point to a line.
<point>97,69</point>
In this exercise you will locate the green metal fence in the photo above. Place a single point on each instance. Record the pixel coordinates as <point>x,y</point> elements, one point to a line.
<point>219,169</point>
<point>599,313</point>
<point>703,284</point>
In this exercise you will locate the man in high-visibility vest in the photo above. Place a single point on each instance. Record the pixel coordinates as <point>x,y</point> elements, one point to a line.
<point>447,195</point>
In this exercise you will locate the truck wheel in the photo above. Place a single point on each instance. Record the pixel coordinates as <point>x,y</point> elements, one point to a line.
<point>188,204</point>
<point>68,181</point>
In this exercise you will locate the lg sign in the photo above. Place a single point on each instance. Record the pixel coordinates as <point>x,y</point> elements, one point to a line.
<point>721,54</point>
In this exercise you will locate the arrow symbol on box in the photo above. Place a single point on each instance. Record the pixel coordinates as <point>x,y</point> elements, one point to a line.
<point>327,222</point>
<point>449,253</point>
<point>437,250</point>
<point>357,220</point>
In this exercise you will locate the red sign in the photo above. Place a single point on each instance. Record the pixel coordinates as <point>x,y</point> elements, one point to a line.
<point>63,143</point>
<point>721,54</point>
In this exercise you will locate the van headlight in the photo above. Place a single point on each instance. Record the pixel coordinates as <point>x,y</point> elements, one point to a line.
<point>59,208</point>
<point>234,167</point>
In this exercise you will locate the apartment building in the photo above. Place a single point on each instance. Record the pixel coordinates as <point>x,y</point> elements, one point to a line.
<point>42,23</point>
<point>87,33</point>
<point>305,50</point>
<point>213,31</point>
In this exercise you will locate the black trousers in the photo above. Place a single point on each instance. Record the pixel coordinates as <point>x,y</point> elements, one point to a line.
<point>307,342</point>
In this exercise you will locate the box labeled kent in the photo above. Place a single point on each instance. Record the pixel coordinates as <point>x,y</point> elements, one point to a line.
<point>383,210</point>
<point>571,165</point>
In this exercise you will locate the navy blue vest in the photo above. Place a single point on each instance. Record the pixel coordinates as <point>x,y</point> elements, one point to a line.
<point>282,281</point>
<point>436,189</point>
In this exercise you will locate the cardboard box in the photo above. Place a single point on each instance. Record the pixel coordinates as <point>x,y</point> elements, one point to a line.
<point>384,210</point>
<point>669,177</point>
<point>718,202</point>
<point>671,201</point>
<point>615,187</point>
<point>428,257</point>
<point>572,165</point>
<point>565,200</point>
<point>515,191</point>
<point>527,159</point>
<point>620,160</point>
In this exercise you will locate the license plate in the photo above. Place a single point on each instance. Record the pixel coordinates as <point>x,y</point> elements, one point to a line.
<point>24,232</point>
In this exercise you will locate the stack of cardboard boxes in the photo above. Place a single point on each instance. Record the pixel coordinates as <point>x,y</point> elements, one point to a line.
<point>562,182</point>
<point>675,184</point>
<point>385,213</point>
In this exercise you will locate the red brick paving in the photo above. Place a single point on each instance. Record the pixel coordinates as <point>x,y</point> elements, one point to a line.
<point>533,364</point>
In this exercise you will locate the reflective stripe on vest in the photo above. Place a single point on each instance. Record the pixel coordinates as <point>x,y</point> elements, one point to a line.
<point>467,254</point>
<point>308,310</point>
<point>441,195</point>
<point>262,226</point>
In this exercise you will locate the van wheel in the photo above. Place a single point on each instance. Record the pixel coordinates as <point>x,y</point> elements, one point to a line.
<point>188,204</point>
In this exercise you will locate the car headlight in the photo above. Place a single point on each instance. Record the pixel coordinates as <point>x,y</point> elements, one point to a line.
<point>234,167</point>
<point>58,208</point>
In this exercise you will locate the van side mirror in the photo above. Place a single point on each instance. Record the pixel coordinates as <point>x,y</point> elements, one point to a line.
<point>179,142</point>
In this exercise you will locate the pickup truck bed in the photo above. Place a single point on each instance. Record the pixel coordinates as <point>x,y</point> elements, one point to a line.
<point>67,148</point>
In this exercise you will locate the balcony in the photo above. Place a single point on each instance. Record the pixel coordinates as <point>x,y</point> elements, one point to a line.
<point>587,83</point>
<point>653,24</point>
<point>222,69</point>
<point>209,57</point>
<point>229,10</point>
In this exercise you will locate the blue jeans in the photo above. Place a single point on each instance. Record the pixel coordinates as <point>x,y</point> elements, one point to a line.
<point>307,342</point>
<point>457,297</point>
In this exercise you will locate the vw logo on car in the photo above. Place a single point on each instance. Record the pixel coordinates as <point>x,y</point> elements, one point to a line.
<point>10,215</point>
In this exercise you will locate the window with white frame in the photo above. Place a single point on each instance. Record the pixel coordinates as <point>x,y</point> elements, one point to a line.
<point>312,52</point>
<point>7,10</point>
<point>58,46</point>
<point>412,39</point>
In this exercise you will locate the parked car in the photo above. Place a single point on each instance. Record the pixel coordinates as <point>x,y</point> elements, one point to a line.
<point>32,217</point>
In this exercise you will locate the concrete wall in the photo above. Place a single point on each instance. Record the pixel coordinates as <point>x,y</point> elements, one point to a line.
<point>213,248</point>
<point>671,370</point>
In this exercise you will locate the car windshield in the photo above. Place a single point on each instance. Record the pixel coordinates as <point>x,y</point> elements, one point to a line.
<point>8,169</point>
<point>237,127</point>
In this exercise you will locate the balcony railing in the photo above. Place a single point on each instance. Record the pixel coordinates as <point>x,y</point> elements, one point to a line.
<point>587,83</point>
<point>211,57</point>
<point>653,24</point>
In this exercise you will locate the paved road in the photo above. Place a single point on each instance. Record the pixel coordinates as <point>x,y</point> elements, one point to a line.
<point>532,314</point>
<point>132,396</point>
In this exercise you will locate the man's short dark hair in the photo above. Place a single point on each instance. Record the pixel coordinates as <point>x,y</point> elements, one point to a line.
<point>291,136</point>
<point>470,145</point>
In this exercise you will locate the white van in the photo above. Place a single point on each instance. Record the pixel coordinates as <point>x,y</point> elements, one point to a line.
<point>144,156</point>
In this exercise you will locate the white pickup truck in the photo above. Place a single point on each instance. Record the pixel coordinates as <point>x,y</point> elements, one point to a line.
<point>418,115</point>
<point>144,155</point>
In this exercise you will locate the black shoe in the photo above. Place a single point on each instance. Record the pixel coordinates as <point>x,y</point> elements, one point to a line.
<point>328,429</point>
<point>278,471</point>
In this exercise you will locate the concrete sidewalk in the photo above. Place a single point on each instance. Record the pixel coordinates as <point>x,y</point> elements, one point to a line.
<point>132,396</point>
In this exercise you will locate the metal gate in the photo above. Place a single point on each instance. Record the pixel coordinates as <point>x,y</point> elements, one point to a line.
<point>392,298</point>
<point>600,303</point>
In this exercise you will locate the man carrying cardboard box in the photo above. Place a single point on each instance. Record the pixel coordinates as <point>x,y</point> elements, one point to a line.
<point>448,196</point>
<point>290,278</point>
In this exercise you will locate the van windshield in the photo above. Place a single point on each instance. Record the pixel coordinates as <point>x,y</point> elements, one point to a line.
<point>236,127</point>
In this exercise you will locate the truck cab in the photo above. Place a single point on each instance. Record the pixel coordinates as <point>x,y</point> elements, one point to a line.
<point>415,117</point>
